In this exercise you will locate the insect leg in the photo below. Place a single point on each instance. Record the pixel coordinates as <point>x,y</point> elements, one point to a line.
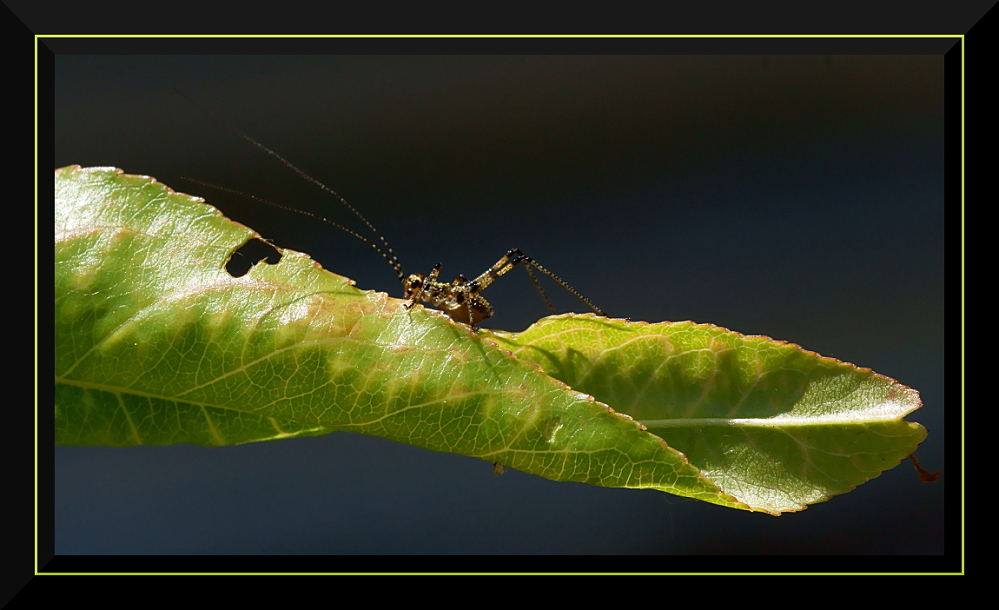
<point>423,283</point>
<point>533,263</point>
<point>513,258</point>
<point>537,284</point>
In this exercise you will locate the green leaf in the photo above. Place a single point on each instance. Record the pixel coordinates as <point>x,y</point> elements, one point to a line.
<point>156,343</point>
<point>774,425</point>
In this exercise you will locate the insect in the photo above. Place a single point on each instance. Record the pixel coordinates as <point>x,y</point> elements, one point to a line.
<point>461,299</point>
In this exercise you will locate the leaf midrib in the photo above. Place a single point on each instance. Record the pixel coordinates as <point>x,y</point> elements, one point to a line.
<point>767,422</point>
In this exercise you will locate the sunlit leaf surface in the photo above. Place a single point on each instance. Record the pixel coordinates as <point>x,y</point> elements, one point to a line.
<point>772,424</point>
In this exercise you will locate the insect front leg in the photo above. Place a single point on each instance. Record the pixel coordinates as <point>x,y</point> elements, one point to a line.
<point>416,285</point>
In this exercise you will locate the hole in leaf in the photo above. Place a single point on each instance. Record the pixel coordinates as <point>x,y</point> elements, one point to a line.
<point>251,253</point>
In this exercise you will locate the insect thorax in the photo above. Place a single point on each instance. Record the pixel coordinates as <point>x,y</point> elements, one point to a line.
<point>457,299</point>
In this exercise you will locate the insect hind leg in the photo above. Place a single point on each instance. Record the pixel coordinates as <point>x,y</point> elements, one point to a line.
<point>537,284</point>
<point>515,257</point>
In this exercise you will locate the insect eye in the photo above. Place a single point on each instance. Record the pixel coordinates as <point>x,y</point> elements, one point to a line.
<point>413,283</point>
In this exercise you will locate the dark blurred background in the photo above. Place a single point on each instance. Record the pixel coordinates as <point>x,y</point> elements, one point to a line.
<point>799,197</point>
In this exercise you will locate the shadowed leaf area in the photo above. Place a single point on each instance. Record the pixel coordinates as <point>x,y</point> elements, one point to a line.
<point>156,343</point>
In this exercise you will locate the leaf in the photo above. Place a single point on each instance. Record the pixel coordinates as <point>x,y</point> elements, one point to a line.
<point>774,425</point>
<point>156,343</point>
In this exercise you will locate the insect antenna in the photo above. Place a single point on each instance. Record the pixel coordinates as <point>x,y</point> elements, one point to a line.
<point>460,299</point>
<point>393,261</point>
<point>391,257</point>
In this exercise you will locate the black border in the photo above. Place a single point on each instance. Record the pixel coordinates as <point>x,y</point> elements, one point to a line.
<point>502,46</point>
<point>844,17</point>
